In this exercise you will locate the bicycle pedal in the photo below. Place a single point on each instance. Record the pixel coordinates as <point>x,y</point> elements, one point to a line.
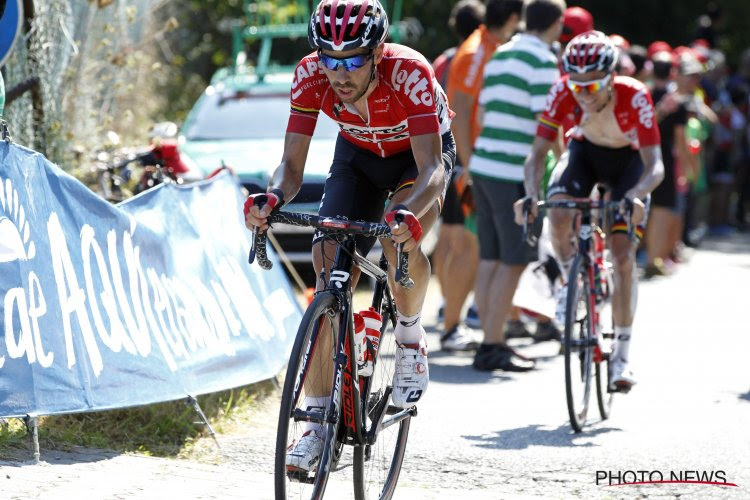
<point>622,389</point>
<point>300,476</point>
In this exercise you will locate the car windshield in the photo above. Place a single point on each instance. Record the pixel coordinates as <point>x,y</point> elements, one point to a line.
<point>239,116</point>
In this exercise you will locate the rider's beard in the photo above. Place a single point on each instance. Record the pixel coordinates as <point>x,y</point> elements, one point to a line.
<point>350,92</point>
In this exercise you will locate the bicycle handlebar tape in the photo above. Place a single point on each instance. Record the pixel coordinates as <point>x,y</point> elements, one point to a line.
<point>402,269</point>
<point>260,251</point>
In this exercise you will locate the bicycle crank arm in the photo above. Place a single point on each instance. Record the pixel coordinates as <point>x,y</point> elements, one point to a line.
<point>397,415</point>
<point>377,414</point>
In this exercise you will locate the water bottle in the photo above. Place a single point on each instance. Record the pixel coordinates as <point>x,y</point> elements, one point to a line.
<point>369,326</point>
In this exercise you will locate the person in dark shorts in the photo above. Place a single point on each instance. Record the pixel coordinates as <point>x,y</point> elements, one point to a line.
<point>665,217</point>
<point>516,81</point>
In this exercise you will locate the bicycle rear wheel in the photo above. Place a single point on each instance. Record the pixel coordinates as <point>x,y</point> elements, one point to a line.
<point>317,335</point>
<point>578,344</point>
<point>377,466</point>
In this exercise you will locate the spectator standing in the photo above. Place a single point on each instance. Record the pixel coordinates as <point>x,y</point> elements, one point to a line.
<point>464,83</point>
<point>666,217</point>
<point>456,245</point>
<point>637,55</point>
<point>576,20</point>
<point>516,82</point>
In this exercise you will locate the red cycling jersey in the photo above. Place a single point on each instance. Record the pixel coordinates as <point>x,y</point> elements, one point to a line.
<point>634,112</point>
<point>407,101</point>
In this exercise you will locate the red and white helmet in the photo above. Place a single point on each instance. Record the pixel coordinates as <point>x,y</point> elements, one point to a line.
<point>347,24</point>
<point>590,51</point>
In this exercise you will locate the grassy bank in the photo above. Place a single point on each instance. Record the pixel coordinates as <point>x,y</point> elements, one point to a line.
<point>164,429</point>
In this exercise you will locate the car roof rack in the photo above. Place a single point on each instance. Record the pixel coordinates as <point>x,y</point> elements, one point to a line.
<point>267,20</point>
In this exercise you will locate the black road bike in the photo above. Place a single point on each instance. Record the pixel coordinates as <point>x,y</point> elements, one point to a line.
<point>358,412</point>
<point>588,337</point>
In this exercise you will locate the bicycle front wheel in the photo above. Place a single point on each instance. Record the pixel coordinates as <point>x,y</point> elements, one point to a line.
<point>309,373</point>
<point>606,334</point>
<point>377,466</point>
<point>578,345</point>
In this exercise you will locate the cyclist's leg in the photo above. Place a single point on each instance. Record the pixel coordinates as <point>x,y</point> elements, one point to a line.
<point>572,177</point>
<point>625,293</point>
<point>347,193</point>
<point>624,296</point>
<point>412,374</point>
<point>409,301</point>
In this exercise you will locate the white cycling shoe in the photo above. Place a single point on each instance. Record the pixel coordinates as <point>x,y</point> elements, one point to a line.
<point>412,374</point>
<point>303,455</point>
<point>622,376</point>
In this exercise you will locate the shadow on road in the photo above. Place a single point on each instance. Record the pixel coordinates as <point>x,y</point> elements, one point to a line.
<point>461,374</point>
<point>734,243</point>
<point>538,435</point>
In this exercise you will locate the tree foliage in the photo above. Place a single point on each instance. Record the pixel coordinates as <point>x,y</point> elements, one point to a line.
<point>203,43</point>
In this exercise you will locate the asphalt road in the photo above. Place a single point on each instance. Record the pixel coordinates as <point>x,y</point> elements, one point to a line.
<point>499,435</point>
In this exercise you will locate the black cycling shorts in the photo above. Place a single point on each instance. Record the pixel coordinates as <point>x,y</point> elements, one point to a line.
<point>586,164</point>
<point>360,183</point>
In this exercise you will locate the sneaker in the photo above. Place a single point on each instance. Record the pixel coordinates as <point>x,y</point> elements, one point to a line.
<point>441,314</point>
<point>545,331</point>
<point>622,376</point>
<point>562,302</point>
<point>472,317</point>
<point>412,374</point>
<point>459,338</point>
<point>516,329</point>
<point>655,268</point>
<point>491,357</point>
<point>304,454</point>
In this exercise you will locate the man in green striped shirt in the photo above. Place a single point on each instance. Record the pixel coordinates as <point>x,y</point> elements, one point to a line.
<point>516,82</point>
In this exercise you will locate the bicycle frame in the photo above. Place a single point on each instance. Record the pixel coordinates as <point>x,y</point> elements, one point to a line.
<point>586,234</point>
<point>353,407</point>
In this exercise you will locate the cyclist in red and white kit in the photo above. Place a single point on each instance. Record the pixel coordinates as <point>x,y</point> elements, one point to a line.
<point>615,141</point>
<point>395,149</point>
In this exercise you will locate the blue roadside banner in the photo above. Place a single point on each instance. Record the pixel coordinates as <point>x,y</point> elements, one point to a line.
<point>108,306</point>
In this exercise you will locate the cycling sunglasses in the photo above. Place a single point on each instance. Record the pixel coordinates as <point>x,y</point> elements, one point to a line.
<point>591,87</point>
<point>349,63</point>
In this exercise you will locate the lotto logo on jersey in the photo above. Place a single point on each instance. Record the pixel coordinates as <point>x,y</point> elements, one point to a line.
<point>645,110</point>
<point>414,84</point>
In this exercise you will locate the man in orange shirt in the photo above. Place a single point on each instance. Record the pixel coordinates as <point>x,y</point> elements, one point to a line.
<point>464,84</point>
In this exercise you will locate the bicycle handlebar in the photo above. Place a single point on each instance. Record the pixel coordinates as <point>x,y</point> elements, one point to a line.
<point>330,225</point>
<point>577,204</point>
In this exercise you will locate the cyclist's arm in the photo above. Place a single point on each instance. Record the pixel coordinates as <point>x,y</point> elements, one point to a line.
<point>533,167</point>
<point>462,104</point>
<point>430,182</point>
<point>653,172</point>
<point>288,175</point>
